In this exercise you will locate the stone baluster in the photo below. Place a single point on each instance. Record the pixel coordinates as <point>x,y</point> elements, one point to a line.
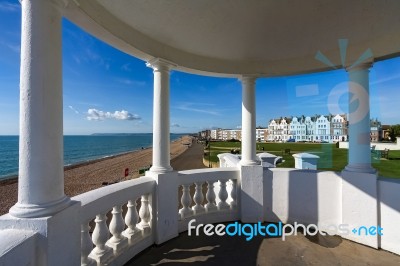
<point>86,245</point>
<point>198,199</point>
<point>210,196</point>
<point>101,253</point>
<point>131,219</point>
<point>234,194</point>
<point>117,242</point>
<point>223,196</point>
<point>186,201</point>
<point>145,215</point>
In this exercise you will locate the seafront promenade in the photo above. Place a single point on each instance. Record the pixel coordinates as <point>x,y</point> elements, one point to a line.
<point>90,175</point>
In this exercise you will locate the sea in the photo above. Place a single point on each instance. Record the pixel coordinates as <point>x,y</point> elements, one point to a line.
<point>78,149</point>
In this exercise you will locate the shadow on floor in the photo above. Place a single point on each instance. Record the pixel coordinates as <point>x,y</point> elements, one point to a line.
<point>295,250</point>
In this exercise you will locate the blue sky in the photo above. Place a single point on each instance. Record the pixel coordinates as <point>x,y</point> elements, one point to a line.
<point>108,91</point>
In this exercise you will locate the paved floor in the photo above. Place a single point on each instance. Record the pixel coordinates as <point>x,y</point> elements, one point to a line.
<point>295,250</point>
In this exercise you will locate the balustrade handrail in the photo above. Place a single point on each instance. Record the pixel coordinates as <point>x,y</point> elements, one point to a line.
<point>207,174</point>
<point>103,199</point>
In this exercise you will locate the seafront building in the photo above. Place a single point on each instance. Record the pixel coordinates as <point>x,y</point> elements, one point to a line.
<point>248,40</point>
<point>319,128</point>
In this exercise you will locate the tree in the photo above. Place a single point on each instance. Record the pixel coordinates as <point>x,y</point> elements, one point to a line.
<point>394,132</point>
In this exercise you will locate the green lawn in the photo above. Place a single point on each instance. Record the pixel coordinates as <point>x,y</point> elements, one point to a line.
<point>331,158</point>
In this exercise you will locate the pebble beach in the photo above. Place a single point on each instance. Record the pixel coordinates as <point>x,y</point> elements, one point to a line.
<point>86,176</point>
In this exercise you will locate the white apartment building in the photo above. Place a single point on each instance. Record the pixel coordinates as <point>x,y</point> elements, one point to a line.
<point>317,128</point>
<point>305,128</point>
<point>323,129</point>
<point>298,129</point>
<point>261,134</point>
<point>278,129</point>
<point>339,128</point>
<point>310,128</point>
<point>226,134</point>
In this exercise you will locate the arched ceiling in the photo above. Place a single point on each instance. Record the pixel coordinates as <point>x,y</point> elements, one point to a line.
<point>232,37</point>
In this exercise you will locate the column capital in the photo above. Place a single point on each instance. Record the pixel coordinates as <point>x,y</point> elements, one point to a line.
<point>361,66</point>
<point>159,64</point>
<point>248,78</point>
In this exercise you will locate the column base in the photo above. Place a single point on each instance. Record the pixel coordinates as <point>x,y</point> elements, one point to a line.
<point>360,206</point>
<point>39,210</point>
<point>165,202</point>
<point>360,168</point>
<point>161,169</point>
<point>59,235</point>
<point>249,162</point>
<point>251,193</point>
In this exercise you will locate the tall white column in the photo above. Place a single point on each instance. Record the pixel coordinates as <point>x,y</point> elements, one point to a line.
<point>248,121</point>
<point>41,171</point>
<point>161,121</point>
<point>359,120</point>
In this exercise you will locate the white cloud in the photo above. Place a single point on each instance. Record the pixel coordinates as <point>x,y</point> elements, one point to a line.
<point>385,79</point>
<point>13,47</point>
<point>175,125</point>
<point>131,82</point>
<point>126,67</point>
<point>97,115</point>
<point>73,109</point>
<point>203,108</point>
<point>9,7</point>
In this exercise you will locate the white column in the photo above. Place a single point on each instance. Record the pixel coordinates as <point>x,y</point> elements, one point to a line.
<point>161,123</point>
<point>359,120</point>
<point>41,171</point>
<point>248,121</point>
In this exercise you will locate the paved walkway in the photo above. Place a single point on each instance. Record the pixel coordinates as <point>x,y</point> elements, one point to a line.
<point>295,250</point>
<point>192,158</point>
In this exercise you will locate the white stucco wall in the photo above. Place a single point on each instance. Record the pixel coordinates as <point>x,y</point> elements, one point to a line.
<point>304,196</point>
<point>389,191</point>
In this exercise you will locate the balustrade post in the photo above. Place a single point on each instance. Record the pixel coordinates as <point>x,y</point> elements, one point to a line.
<point>101,253</point>
<point>86,245</point>
<point>186,201</point>
<point>131,220</point>
<point>145,215</point>
<point>223,196</point>
<point>210,196</point>
<point>198,199</point>
<point>234,194</point>
<point>118,241</point>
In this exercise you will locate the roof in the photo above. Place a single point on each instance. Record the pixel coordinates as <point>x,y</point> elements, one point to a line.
<point>233,37</point>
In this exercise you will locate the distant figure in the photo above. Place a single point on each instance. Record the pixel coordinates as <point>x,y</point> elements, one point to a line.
<point>262,148</point>
<point>142,148</point>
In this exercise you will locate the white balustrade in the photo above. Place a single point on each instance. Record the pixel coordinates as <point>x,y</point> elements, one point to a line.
<point>86,245</point>
<point>118,241</point>
<point>134,239</point>
<point>223,196</point>
<point>101,253</point>
<point>210,206</point>
<point>198,199</point>
<point>186,201</point>
<point>131,220</point>
<point>139,233</point>
<point>233,203</point>
<point>145,215</point>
